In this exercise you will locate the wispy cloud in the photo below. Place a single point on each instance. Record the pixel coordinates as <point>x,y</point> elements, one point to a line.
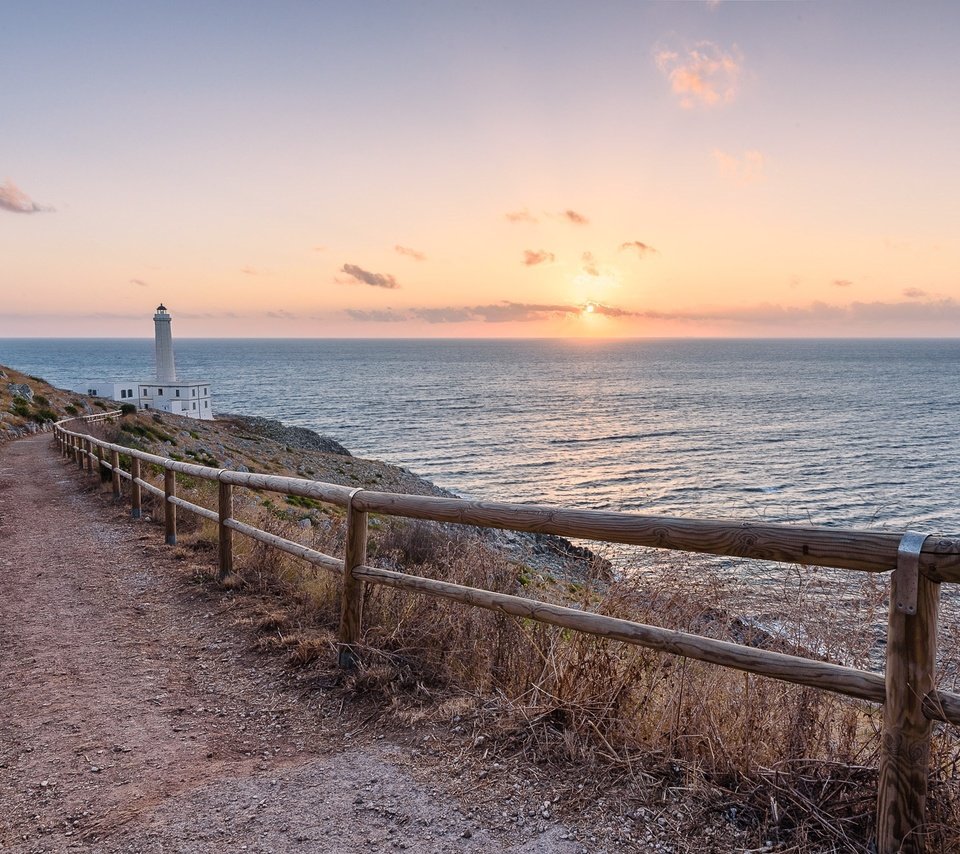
<point>13,199</point>
<point>320,248</point>
<point>410,253</point>
<point>914,293</point>
<point>611,310</point>
<point>532,257</point>
<point>574,217</point>
<point>139,282</point>
<point>501,312</point>
<point>589,264</point>
<point>382,315</point>
<point>748,168</point>
<point>841,283</point>
<point>376,280</point>
<point>282,314</point>
<point>250,271</point>
<point>642,249</point>
<point>520,216</point>
<point>704,74</point>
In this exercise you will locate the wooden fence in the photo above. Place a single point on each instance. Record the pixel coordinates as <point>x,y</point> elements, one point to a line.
<point>918,564</point>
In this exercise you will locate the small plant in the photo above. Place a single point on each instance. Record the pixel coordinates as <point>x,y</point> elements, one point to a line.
<point>40,400</point>
<point>42,415</point>
<point>127,409</point>
<point>70,409</point>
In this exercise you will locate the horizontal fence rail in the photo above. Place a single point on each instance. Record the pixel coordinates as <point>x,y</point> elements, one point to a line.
<point>906,691</point>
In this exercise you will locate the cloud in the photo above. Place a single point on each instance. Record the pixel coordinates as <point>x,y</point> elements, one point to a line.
<point>249,271</point>
<point>501,312</point>
<point>533,257</point>
<point>747,169</point>
<point>520,216</point>
<point>706,74</point>
<point>13,199</point>
<point>282,314</point>
<point>320,248</point>
<point>841,283</point>
<point>140,282</point>
<point>589,264</point>
<point>914,293</point>
<point>376,280</point>
<point>412,253</point>
<point>901,317</point>
<point>643,249</point>
<point>386,315</point>
<point>574,217</point>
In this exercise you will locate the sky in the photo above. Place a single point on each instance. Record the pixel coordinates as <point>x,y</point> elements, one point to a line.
<point>495,169</point>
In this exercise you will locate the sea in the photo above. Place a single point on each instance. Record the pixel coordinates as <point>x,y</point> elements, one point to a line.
<point>843,433</point>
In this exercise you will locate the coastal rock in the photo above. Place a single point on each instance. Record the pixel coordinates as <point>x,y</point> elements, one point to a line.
<point>294,437</point>
<point>21,390</point>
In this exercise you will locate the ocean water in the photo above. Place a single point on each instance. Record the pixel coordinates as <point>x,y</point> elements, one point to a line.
<point>848,433</point>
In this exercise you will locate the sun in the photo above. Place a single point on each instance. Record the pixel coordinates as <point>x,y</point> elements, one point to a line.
<point>589,308</point>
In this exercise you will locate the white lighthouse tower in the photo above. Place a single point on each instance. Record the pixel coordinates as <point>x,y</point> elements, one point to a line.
<point>189,398</point>
<point>166,368</point>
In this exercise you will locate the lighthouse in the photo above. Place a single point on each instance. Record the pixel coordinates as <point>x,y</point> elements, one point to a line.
<point>166,393</point>
<point>166,368</point>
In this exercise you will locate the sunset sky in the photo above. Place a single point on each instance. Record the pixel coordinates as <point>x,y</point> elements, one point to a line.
<point>447,169</point>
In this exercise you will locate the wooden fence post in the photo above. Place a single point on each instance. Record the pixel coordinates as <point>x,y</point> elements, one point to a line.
<point>905,749</point>
<point>169,508</point>
<point>78,451</point>
<point>88,446</point>
<point>351,610</point>
<point>115,462</point>
<point>136,491</point>
<point>226,534</point>
<point>100,469</point>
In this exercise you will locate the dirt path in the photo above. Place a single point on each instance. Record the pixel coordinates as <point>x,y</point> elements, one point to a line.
<point>132,718</point>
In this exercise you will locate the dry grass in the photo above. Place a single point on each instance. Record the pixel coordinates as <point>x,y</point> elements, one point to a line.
<point>795,765</point>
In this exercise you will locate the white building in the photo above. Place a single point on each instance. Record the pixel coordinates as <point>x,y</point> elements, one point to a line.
<point>165,392</point>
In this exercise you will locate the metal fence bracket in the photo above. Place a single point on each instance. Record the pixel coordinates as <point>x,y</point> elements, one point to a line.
<point>908,569</point>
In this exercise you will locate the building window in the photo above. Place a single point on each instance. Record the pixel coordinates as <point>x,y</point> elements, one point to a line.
<point>129,392</point>
<point>178,392</point>
<point>143,392</point>
<point>92,392</point>
<point>194,404</point>
<point>160,391</point>
<point>193,392</point>
<point>206,404</point>
<point>123,394</point>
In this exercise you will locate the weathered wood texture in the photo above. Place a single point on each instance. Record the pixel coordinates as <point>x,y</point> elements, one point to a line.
<point>844,549</point>
<point>136,493</point>
<point>115,473</point>
<point>169,507</point>
<point>225,551</point>
<point>905,751</point>
<point>351,601</point>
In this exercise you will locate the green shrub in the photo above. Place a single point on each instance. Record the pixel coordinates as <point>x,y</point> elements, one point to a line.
<point>70,409</point>
<point>40,400</point>
<point>127,409</point>
<point>42,415</point>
